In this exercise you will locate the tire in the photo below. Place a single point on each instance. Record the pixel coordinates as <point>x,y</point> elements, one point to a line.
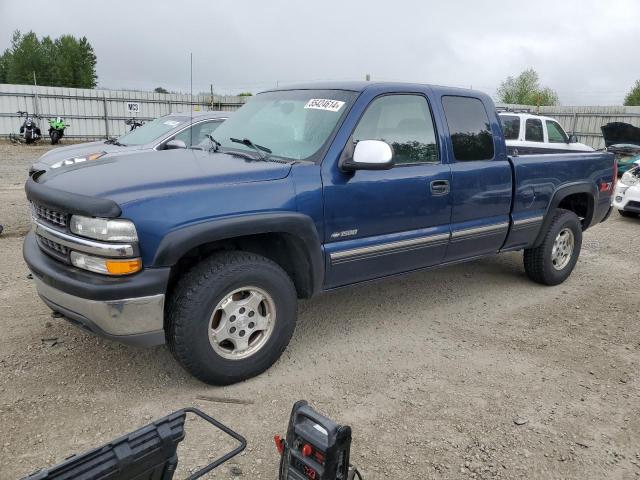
<point>624,213</point>
<point>193,315</point>
<point>540,263</point>
<point>55,137</point>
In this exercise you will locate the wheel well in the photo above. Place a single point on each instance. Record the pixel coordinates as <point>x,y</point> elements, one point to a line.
<point>285,249</point>
<point>581,204</point>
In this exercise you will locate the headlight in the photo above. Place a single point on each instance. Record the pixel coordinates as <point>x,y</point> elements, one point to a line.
<point>104,229</point>
<point>73,161</point>
<point>106,266</point>
<point>628,178</point>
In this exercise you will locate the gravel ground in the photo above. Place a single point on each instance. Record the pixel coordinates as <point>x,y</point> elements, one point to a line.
<point>432,371</point>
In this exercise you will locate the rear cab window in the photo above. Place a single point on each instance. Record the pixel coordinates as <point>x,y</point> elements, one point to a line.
<point>469,128</point>
<point>533,130</point>
<point>510,126</point>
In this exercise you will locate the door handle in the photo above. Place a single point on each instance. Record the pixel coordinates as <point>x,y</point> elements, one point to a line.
<point>439,187</point>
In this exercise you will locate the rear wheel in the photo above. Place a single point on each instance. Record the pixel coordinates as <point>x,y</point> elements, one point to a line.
<point>553,260</point>
<point>231,317</point>
<point>624,213</point>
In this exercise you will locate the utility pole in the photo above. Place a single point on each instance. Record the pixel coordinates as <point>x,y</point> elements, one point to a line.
<point>35,94</point>
<point>211,96</point>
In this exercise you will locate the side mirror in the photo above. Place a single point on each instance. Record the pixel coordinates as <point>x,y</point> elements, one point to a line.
<point>173,144</point>
<point>370,155</point>
<point>573,138</point>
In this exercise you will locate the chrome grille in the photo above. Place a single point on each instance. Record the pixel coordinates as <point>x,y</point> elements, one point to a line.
<point>50,216</point>
<point>56,247</point>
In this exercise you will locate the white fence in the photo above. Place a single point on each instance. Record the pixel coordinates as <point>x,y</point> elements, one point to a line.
<point>97,113</point>
<point>101,113</point>
<point>585,122</point>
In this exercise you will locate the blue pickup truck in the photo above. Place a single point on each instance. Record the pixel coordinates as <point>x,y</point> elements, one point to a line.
<point>303,190</point>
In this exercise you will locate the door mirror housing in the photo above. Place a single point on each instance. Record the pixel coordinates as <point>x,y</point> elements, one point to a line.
<point>573,138</point>
<point>174,144</point>
<point>370,155</point>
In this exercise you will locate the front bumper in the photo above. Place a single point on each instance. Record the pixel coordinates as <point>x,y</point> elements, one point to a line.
<point>127,309</point>
<point>627,198</point>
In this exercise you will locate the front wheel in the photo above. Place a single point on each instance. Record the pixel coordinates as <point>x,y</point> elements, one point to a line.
<point>231,317</point>
<point>553,260</point>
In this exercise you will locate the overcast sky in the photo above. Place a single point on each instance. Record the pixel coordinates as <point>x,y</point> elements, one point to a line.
<point>586,50</point>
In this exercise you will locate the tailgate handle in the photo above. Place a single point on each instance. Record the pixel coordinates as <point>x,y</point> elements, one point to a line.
<point>439,187</point>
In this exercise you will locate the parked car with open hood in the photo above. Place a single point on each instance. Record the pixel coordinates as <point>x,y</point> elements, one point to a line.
<point>169,131</point>
<point>623,140</point>
<point>627,196</point>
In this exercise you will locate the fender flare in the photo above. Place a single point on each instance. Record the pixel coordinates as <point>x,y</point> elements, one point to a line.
<point>560,194</point>
<point>178,242</point>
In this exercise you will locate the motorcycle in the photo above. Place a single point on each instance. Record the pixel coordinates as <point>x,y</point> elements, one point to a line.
<point>56,129</point>
<point>29,130</point>
<point>133,123</point>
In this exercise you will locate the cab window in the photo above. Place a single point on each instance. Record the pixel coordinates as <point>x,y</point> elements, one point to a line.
<point>404,122</point>
<point>533,130</point>
<point>555,133</point>
<point>469,128</point>
<point>510,126</point>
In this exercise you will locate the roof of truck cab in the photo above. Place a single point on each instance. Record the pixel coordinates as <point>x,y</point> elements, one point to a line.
<point>360,86</point>
<point>526,115</point>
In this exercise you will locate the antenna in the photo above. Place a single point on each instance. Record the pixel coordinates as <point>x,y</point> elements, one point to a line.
<point>191,100</point>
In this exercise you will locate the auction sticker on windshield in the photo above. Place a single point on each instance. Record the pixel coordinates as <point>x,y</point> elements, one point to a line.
<point>324,104</point>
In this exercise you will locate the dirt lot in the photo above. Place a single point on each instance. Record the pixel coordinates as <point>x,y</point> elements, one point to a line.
<point>430,370</point>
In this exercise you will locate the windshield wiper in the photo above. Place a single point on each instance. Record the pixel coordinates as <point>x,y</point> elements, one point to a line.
<point>114,141</point>
<point>258,148</point>
<point>215,144</point>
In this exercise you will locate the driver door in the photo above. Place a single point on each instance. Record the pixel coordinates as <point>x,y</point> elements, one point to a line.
<point>383,222</point>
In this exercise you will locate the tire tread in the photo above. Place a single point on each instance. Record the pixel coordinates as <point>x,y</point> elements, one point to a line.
<point>192,290</point>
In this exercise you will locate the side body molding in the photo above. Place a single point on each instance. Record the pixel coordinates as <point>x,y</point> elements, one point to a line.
<point>178,242</point>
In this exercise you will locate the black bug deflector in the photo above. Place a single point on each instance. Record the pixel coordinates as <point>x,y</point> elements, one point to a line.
<point>72,203</point>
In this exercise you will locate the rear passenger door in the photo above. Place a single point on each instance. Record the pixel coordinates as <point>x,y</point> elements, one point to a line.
<point>533,141</point>
<point>480,179</point>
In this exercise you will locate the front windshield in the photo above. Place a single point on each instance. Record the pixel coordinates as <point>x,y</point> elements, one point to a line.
<point>293,124</point>
<point>152,130</point>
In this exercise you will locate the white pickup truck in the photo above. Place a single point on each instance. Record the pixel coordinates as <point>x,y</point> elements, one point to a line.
<point>528,133</point>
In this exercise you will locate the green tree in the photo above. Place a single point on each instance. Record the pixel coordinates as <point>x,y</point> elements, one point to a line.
<point>633,97</point>
<point>64,62</point>
<point>245,94</point>
<point>525,89</point>
<point>5,59</point>
<point>74,63</point>
<point>26,58</point>
<point>160,90</point>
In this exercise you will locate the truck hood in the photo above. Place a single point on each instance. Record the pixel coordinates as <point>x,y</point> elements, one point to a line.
<point>158,173</point>
<point>79,150</point>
